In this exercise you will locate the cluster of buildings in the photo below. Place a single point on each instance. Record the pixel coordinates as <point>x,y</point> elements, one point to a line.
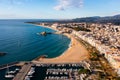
<point>63,27</point>
<point>106,39</point>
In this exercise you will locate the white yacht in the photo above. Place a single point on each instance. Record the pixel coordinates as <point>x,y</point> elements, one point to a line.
<point>17,69</point>
<point>27,78</point>
<point>9,76</point>
<point>9,73</point>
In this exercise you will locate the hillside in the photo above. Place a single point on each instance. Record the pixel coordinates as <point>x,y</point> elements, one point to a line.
<point>108,19</point>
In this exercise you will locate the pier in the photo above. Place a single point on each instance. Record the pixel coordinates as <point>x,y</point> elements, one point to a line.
<point>22,73</point>
<point>8,65</point>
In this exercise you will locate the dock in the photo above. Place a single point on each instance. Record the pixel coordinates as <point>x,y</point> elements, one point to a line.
<point>23,72</point>
<point>4,66</point>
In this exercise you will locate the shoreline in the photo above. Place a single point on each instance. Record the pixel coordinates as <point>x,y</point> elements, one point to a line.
<point>75,53</point>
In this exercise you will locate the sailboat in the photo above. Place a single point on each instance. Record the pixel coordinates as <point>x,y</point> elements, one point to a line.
<point>8,75</point>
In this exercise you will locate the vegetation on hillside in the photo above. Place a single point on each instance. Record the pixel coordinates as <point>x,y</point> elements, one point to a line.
<point>109,19</point>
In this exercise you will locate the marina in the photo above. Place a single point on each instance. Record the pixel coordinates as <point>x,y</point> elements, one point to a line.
<point>9,73</point>
<point>22,73</point>
<point>43,71</point>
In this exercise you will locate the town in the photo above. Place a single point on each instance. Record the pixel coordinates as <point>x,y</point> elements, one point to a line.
<point>104,37</point>
<point>102,42</point>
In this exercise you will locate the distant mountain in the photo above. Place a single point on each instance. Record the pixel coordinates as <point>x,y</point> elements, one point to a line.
<point>96,19</point>
<point>117,16</point>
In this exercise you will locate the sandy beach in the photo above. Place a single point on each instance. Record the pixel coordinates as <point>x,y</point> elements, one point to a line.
<point>76,53</point>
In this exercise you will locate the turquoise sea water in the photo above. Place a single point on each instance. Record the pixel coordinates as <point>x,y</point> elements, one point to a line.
<point>21,43</point>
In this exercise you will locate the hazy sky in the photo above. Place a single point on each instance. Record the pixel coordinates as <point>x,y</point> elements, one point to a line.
<point>57,9</point>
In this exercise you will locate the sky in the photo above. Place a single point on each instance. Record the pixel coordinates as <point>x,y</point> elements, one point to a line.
<point>57,9</point>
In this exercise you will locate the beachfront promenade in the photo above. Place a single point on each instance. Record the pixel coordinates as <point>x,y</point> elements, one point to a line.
<point>76,54</point>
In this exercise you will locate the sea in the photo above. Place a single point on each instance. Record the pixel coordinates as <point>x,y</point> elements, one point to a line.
<point>20,41</point>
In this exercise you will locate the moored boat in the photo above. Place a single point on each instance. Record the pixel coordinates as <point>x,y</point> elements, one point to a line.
<point>9,74</point>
